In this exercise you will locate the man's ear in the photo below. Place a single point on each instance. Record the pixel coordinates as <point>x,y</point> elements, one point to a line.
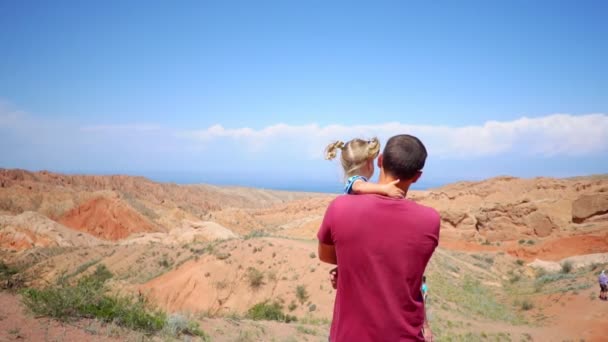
<point>380,158</point>
<point>417,176</point>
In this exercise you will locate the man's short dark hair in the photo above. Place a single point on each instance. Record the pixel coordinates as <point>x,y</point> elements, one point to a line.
<point>404,155</point>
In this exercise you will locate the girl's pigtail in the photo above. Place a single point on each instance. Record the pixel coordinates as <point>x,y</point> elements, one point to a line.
<point>332,149</point>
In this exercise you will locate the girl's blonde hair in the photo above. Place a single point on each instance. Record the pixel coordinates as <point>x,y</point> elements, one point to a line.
<point>355,153</point>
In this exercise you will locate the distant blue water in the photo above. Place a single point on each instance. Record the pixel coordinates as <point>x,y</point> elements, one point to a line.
<point>287,183</point>
<point>299,184</point>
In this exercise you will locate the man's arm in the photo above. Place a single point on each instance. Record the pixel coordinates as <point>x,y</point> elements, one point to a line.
<point>327,253</point>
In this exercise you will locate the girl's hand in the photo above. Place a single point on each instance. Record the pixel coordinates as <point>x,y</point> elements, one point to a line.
<point>391,190</point>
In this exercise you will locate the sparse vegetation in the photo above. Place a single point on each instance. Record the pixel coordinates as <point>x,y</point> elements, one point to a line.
<point>89,298</point>
<point>269,311</point>
<point>514,278</point>
<point>519,262</point>
<point>255,234</point>
<point>307,331</point>
<point>312,255</point>
<point>526,305</point>
<point>302,294</point>
<point>255,277</point>
<point>79,270</point>
<point>6,272</point>
<point>220,285</point>
<point>292,306</point>
<point>177,325</point>
<point>222,255</point>
<point>164,262</point>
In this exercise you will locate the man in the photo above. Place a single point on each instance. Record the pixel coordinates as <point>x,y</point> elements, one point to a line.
<point>381,246</point>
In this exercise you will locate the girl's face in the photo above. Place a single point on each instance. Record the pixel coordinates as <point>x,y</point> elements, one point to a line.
<point>368,170</point>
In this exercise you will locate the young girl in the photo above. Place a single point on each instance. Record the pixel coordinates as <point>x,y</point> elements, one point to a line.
<point>357,158</point>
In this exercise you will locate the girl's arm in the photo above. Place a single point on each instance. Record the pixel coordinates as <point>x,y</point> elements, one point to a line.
<point>390,189</point>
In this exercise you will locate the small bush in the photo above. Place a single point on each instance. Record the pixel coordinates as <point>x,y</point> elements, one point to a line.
<point>515,278</point>
<point>305,330</point>
<point>521,242</point>
<point>526,305</point>
<point>302,294</point>
<point>6,271</point>
<point>530,242</point>
<point>540,272</point>
<point>255,234</point>
<point>269,311</point>
<point>566,267</point>
<point>256,277</point>
<point>10,278</point>
<point>312,255</point>
<point>292,306</point>
<point>519,262</point>
<point>222,255</point>
<point>179,325</point>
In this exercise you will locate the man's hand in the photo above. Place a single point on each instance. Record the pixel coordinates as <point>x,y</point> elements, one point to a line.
<point>391,190</point>
<point>333,277</point>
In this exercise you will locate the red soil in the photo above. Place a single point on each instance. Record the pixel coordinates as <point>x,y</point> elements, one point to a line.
<point>109,219</point>
<point>560,248</point>
<point>576,313</point>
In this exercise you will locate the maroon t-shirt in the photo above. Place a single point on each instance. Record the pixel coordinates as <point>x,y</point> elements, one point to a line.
<point>382,246</point>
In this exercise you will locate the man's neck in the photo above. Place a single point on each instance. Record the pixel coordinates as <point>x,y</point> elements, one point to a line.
<point>386,178</point>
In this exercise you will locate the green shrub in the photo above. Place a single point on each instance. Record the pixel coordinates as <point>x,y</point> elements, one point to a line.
<point>526,305</point>
<point>566,267</point>
<point>256,277</point>
<point>179,325</point>
<point>269,311</point>
<point>6,271</point>
<point>9,277</point>
<point>302,294</point>
<point>255,234</point>
<point>292,306</point>
<point>519,262</point>
<point>515,278</point>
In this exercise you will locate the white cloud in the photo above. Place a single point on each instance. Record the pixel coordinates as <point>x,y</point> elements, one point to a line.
<point>558,134</point>
<point>50,143</point>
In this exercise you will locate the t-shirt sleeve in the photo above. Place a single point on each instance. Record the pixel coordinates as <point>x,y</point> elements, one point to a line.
<point>348,187</point>
<point>325,234</point>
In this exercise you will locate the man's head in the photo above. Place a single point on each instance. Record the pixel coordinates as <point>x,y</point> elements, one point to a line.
<point>403,158</point>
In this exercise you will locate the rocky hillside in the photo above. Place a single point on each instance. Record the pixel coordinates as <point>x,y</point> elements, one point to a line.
<point>213,253</point>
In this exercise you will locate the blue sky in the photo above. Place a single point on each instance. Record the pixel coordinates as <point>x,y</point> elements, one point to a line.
<point>247,92</point>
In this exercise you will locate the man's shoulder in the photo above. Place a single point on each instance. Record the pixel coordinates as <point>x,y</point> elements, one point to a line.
<point>430,211</point>
<point>349,201</point>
